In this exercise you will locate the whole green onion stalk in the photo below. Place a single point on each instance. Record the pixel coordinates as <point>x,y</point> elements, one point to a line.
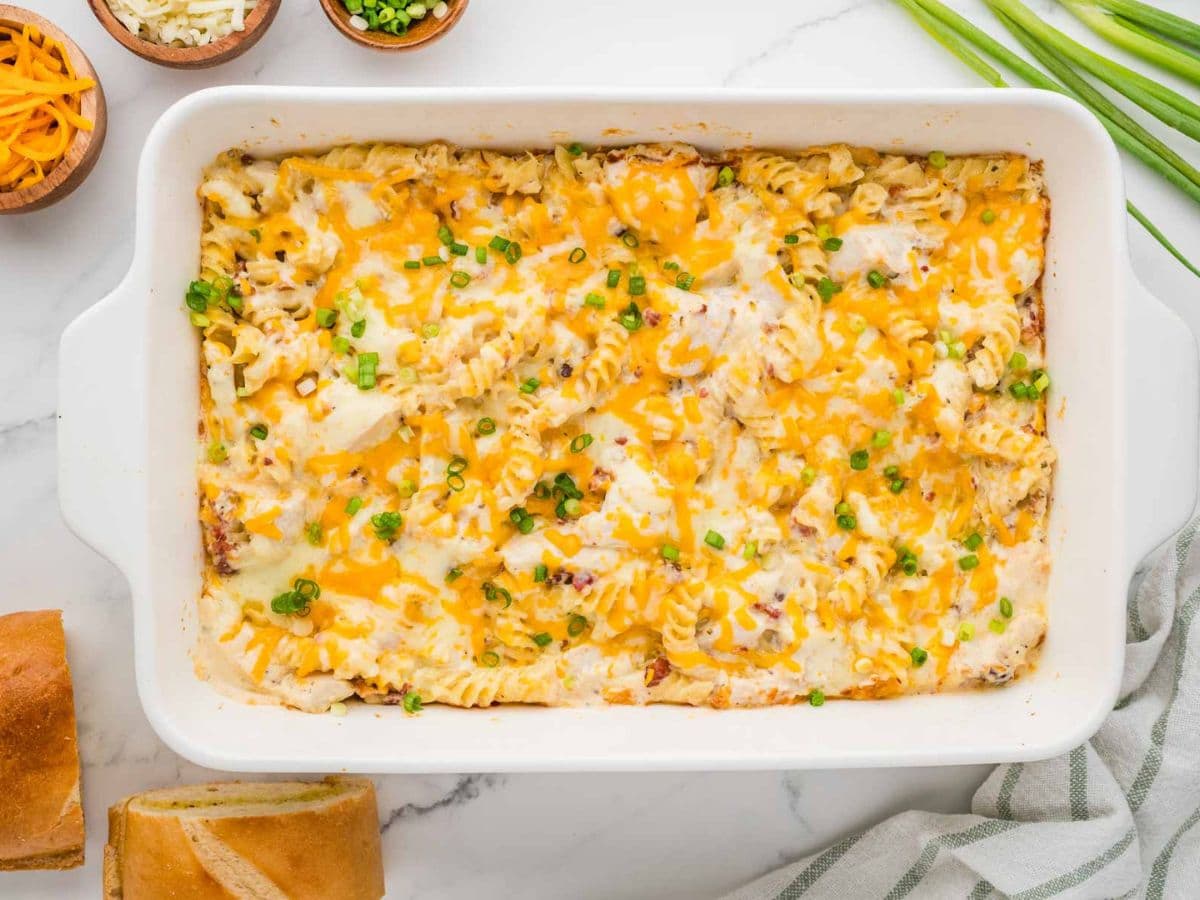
<point>1058,54</point>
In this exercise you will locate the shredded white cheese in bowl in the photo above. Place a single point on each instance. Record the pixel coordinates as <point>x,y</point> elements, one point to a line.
<point>184,23</point>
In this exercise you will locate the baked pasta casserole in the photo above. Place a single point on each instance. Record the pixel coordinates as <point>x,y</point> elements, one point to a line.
<point>632,425</point>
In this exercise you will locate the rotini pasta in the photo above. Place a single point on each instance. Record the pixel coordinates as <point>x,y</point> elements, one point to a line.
<point>639,425</point>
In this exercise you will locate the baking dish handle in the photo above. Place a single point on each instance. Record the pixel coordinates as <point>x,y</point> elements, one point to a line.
<point>101,426</point>
<point>1162,398</point>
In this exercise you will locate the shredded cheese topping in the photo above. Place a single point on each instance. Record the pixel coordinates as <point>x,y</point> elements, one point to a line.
<point>39,105</point>
<point>630,426</point>
<point>185,23</point>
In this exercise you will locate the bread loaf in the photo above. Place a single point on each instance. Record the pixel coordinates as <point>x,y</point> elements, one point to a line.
<point>41,820</point>
<point>288,840</point>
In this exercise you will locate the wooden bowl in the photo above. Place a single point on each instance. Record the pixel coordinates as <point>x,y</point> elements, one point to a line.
<point>424,32</point>
<point>81,156</point>
<point>227,48</point>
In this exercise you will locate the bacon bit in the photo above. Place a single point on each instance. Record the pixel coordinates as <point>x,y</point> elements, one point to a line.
<point>768,610</point>
<point>454,209</point>
<point>929,495</point>
<point>560,576</point>
<point>804,530</point>
<point>651,317</point>
<point>622,440</point>
<point>565,370</point>
<point>924,268</point>
<point>220,547</point>
<point>267,461</point>
<point>657,671</point>
<point>600,480</point>
<point>703,308</point>
<point>583,580</point>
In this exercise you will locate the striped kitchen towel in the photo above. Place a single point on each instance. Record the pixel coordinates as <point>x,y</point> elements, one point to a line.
<point>1118,816</point>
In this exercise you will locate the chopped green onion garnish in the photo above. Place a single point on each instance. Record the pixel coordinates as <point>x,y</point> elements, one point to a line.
<point>529,385</point>
<point>987,217</point>
<point>898,397</point>
<point>581,443</point>
<point>637,285</point>
<point>577,255</point>
<point>1006,607</point>
<point>714,540</point>
<point>937,159</point>
<point>832,244</point>
<point>456,466</point>
<point>498,243</point>
<point>1017,362</point>
<point>631,316</point>
<point>459,279</point>
<point>406,488</point>
<point>513,253</point>
<point>481,255</point>
<point>881,439</point>
<point>453,575</point>
<point>957,350</point>
<point>997,626</point>
<point>827,288</point>
<point>542,638</point>
<point>358,329</point>
<point>430,330</point>
<point>725,177</point>
<point>847,522</point>
<point>671,265</point>
<point>540,573</point>
<point>824,231</point>
<point>594,300</point>
<point>457,249</point>
<point>684,281</point>
<point>808,474</point>
<point>891,471</point>
<point>541,490</point>
<point>859,460</point>
<point>433,260</point>
<point>326,317</point>
<point>614,278</point>
<point>256,234</point>
<point>576,625</point>
<point>1019,390</point>
<point>876,279</point>
<point>386,525</point>
<point>493,593</point>
<point>366,370</point>
<point>966,631</point>
<point>217,452</point>
<point>259,432</point>
<point>629,239</point>
<point>843,508</point>
<point>572,507</point>
<point>816,697</point>
<point>968,562</point>
<point>1041,380</point>
<point>314,532</point>
<point>412,264</point>
<point>973,541</point>
<point>791,238</point>
<point>575,149</point>
<point>489,658</point>
<point>897,485</point>
<point>486,425</point>
<point>919,655</point>
<point>445,235</point>
<point>199,319</point>
<point>455,482</point>
<point>750,550</point>
<point>412,703</point>
<point>353,505</point>
<point>670,553</point>
<point>340,344</point>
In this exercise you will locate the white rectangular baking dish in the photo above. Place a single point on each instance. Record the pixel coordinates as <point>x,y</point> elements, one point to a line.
<point>1124,422</point>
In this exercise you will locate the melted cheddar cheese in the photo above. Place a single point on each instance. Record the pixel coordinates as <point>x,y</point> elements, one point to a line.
<point>628,426</point>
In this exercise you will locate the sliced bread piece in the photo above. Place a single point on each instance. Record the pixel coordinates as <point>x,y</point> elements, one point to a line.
<point>286,840</point>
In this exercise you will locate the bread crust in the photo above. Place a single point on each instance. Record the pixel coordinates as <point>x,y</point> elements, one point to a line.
<point>41,818</point>
<point>323,848</point>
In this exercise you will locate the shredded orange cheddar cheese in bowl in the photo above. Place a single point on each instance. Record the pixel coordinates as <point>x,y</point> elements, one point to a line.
<point>40,105</point>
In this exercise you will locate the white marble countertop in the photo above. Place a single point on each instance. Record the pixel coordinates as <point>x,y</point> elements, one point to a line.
<point>533,836</point>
